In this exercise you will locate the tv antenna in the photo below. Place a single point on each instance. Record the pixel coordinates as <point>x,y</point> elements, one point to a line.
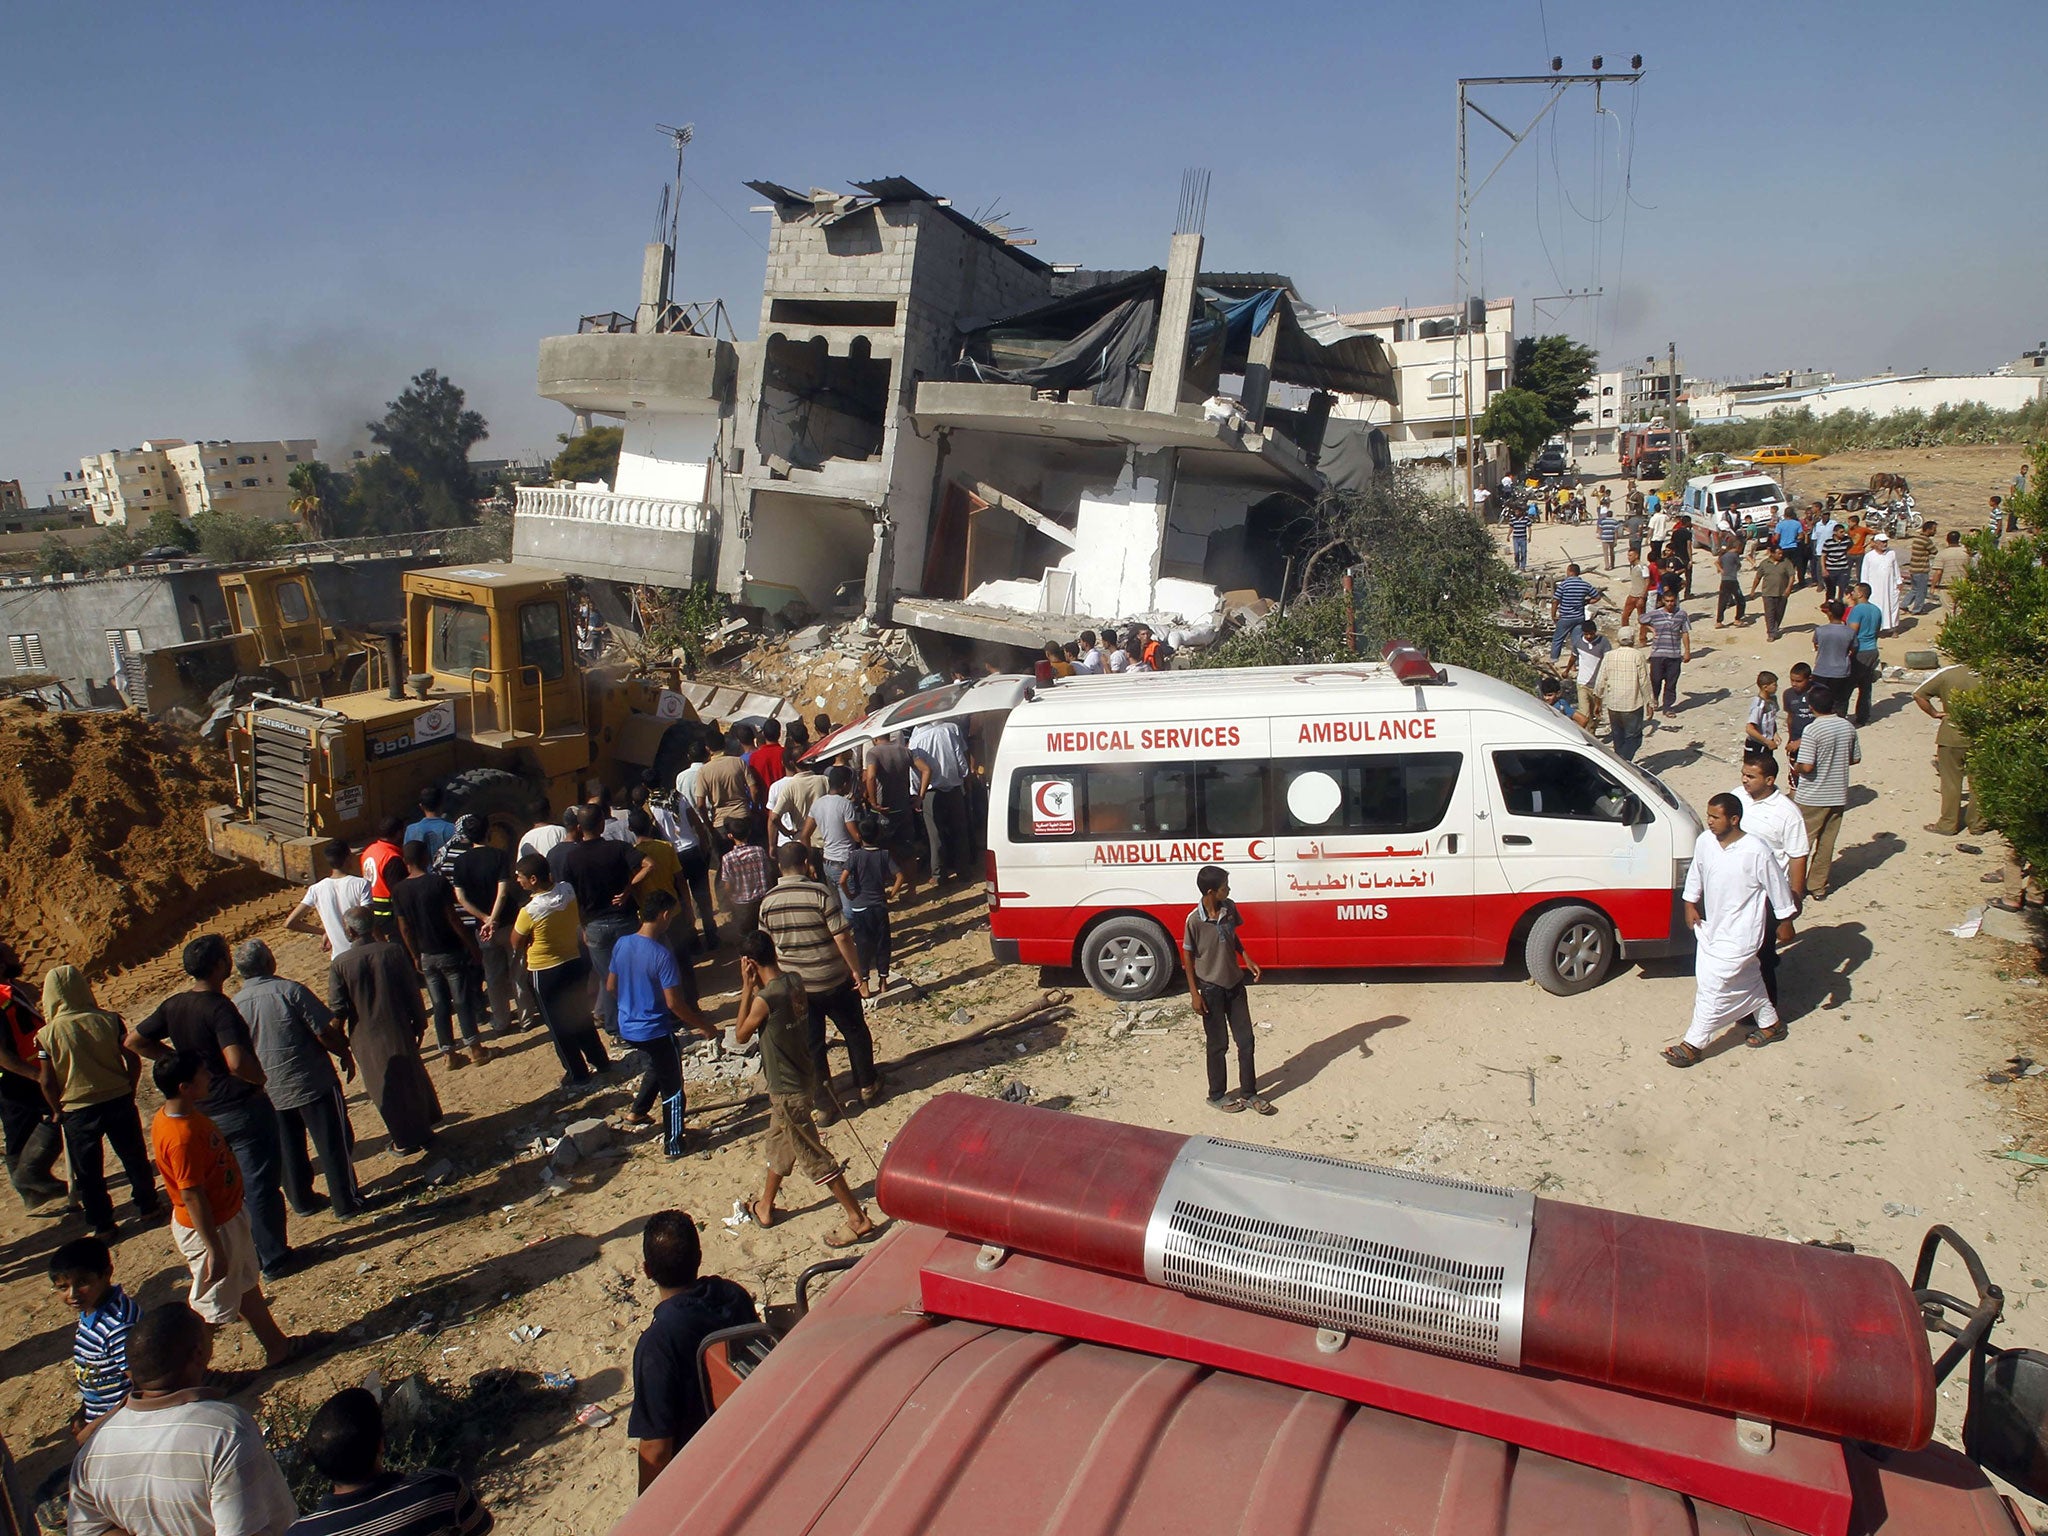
<point>671,211</point>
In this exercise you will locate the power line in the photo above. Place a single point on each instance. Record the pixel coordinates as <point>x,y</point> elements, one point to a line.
<point>698,188</point>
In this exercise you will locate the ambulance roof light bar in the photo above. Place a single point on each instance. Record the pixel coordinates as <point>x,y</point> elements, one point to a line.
<point>1410,663</point>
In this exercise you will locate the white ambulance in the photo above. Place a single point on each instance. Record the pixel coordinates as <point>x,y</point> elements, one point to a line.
<point>1373,814</point>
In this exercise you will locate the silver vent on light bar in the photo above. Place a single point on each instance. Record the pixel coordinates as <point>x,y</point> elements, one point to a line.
<point>1407,1257</point>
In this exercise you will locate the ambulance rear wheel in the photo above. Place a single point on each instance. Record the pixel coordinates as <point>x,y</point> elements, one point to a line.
<point>1128,958</point>
<point>1570,950</point>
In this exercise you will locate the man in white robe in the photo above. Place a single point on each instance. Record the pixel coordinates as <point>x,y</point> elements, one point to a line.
<point>1882,575</point>
<point>1734,885</point>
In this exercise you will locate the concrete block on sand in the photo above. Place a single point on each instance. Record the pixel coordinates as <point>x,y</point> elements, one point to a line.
<point>2015,927</point>
<point>589,1136</point>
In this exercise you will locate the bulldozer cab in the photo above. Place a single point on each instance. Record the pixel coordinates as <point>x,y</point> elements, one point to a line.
<point>497,641</point>
<point>276,607</point>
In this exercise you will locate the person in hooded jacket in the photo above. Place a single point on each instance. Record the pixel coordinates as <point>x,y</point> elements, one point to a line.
<point>89,1077</point>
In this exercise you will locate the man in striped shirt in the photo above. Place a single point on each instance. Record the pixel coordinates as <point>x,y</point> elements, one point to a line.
<point>814,942</point>
<point>171,1460</point>
<point>1518,534</point>
<point>1609,529</point>
<point>346,1442</point>
<point>82,1270</point>
<point>1920,569</point>
<point>1568,605</point>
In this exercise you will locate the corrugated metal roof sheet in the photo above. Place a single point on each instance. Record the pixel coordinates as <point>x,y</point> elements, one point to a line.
<point>872,1418</point>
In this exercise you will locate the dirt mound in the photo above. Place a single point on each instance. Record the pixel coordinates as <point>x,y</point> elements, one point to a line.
<point>103,853</point>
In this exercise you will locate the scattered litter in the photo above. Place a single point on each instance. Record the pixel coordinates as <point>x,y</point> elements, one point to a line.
<point>1893,1208</point>
<point>1967,928</point>
<point>961,1018</point>
<point>526,1333</point>
<point>561,1381</point>
<point>425,1325</point>
<point>440,1172</point>
<point>1015,1092</point>
<point>365,1267</point>
<point>1153,1031</point>
<point>1968,848</point>
<point>740,1216</point>
<point>2031,1159</point>
<point>593,1417</point>
<point>452,1349</point>
<point>1265,1026</point>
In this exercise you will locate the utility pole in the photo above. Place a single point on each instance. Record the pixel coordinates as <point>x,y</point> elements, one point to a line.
<point>1556,83</point>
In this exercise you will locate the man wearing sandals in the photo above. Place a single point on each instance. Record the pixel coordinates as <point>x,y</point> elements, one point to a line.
<point>1216,963</point>
<point>1733,882</point>
<point>773,1006</point>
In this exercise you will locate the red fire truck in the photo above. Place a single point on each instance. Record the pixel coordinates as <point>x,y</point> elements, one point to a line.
<point>1647,452</point>
<point>1080,1326</point>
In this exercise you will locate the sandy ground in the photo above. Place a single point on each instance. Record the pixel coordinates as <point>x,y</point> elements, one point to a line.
<point>1870,1123</point>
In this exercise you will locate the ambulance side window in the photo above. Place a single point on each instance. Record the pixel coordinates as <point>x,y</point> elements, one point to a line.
<point>1559,785</point>
<point>1384,793</point>
<point>1233,799</point>
<point>1114,800</point>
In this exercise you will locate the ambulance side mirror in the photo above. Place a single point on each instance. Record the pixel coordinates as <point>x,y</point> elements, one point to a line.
<point>1633,812</point>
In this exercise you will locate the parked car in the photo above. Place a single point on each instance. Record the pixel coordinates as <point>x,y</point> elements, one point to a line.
<point>1781,453</point>
<point>1720,463</point>
<point>1551,459</point>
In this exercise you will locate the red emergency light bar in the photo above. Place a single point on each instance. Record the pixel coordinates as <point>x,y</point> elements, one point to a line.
<point>1802,1337</point>
<point>1410,663</point>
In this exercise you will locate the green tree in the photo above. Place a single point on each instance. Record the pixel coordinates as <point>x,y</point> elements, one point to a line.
<point>111,547</point>
<point>594,455</point>
<point>384,497</point>
<point>229,537</point>
<point>1558,371</point>
<point>2000,627</point>
<point>1518,418</point>
<point>54,556</point>
<point>1427,573</point>
<point>165,529</point>
<point>428,432</point>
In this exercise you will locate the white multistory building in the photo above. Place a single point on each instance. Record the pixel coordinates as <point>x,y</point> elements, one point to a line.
<point>125,485</point>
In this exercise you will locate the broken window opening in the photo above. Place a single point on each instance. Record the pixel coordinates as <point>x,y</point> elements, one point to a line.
<point>816,407</point>
<point>875,314</point>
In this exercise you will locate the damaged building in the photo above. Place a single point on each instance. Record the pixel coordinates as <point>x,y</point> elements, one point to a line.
<point>941,431</point>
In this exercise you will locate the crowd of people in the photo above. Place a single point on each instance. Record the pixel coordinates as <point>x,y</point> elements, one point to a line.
<point>1769,846</point>
<point>443,938</point>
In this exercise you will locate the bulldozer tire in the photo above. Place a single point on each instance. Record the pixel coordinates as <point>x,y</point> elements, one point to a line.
<point>241,688</point>
<point>673,754</point>
<point>353,672</point>
<point>504,799</point>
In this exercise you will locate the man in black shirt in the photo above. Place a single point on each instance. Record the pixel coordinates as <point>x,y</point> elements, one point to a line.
<point>603,872</point>
<point>443,950</point>
<point>203,1020</point>
<point>668,1403</point>
<point>489,899</point>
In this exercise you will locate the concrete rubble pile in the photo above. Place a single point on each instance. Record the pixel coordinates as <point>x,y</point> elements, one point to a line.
<point>834,669</point>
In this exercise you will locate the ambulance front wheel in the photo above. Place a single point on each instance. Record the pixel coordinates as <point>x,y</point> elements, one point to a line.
<point>1128,958</point>
<point>1570,949</point>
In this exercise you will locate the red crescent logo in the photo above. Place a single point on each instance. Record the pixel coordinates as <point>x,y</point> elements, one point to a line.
<point>1252,850</point>
<point>1038,798</point>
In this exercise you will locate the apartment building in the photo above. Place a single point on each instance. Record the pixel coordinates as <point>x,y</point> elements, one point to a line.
<point>124,485</point>
<point>1444,361</point>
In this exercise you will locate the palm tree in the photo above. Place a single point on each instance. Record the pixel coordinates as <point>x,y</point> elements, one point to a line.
<point>309,498</point>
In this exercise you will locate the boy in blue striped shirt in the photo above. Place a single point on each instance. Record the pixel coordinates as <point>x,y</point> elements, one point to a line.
<point>82,1270</point>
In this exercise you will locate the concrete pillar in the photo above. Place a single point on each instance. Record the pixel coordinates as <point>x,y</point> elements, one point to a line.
<point>1315,421</point>
<point>657,266</point>
<point>1258,368</point>
<point>1176,308</point>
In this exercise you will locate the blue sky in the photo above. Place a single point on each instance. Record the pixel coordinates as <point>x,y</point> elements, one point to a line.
<point>258,220</point>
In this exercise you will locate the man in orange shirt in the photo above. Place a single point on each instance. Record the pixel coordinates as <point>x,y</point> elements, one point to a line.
<point>384,867</point>
<point>207,1220</point>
